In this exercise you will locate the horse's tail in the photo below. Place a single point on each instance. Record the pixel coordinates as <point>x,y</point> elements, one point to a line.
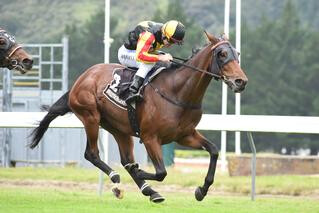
<point>59,108</point>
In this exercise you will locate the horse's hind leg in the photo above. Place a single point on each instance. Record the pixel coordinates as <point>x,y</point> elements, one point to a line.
<point>126,145</point>
<point>154,151</point>
<point>197,141</point>
<point>91,125</point>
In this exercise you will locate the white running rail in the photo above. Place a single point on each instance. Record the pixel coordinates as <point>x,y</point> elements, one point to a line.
<point>243,123</point>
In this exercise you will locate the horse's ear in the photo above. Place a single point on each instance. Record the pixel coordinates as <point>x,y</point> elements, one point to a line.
<point>211,37</point>
<point>224,37</point>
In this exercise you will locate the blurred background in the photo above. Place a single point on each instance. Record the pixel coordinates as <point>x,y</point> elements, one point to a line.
<point>278,52</point>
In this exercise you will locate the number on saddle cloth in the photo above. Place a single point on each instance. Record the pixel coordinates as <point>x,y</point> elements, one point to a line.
<point>118,90</point>
<point>122,79</point>
<point>121,82</point>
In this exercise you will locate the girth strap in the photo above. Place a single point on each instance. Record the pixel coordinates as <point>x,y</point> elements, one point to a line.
<point>132,117</point>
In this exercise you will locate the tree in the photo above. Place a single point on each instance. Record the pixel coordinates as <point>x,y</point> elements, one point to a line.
<point>194,34</point>
<point>86,44</point>
<point>280,62</point>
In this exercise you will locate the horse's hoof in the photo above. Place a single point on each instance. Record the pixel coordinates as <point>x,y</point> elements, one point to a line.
<point>119,193</point>
<point>199,194</point>
<point>156,198</point>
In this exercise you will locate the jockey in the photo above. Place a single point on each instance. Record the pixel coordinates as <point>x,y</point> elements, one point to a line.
<point>140,51</point>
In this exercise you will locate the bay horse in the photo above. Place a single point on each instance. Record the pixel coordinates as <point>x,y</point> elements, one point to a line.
<point>170,112</point>
<point>12,56</point>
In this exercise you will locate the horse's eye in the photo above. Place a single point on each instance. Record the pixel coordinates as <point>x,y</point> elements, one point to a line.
<point>2,41</point>
<point>222,54</point>
<point>3,44</point>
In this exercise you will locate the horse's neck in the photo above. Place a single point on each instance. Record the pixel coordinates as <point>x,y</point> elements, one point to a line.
<point>190,85</point>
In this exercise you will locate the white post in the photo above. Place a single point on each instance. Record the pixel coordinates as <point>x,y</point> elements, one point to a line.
<point>65,63</point>
<point>224,92</point>
<point>7,106</point>
<point>104,135</point>
<point>107,32</point>
<point>237,95</point>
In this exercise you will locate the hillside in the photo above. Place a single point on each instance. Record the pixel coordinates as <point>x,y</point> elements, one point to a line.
<point>278,53</point>
<point>44,20</point>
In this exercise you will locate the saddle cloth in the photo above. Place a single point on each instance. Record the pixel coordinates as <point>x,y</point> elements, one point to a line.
<point>118,90</point>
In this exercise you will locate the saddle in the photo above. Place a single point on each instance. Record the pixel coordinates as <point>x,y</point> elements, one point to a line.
<point>118,90</point>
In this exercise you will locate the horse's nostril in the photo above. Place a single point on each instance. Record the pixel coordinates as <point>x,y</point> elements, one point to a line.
<point>239,82</point>
<point>27,62</point>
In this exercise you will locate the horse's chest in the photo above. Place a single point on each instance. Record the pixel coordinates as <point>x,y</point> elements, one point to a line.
<point>181,127</point>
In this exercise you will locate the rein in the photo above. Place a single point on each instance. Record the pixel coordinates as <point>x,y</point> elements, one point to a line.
<point>195,68</point>
<point>216,76</point>
<point>192,67</point>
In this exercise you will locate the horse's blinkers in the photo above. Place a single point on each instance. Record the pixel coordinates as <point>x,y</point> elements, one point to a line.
<point>4,55</point>
<point>218,62</point>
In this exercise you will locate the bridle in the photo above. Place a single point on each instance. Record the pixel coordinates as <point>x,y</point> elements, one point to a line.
<point>219,62</point>
<point>7,52</point>
<point>216,63</point>
<point>215,69</point>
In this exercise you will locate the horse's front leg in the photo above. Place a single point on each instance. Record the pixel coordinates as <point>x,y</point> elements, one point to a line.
<point>126,144</point>
<point>197,141</point>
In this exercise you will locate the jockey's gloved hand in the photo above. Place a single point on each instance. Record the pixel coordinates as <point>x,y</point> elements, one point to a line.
<point>167,58</point>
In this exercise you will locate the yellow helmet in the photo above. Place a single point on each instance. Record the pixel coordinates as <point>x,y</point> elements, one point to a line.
<point>174,31</point>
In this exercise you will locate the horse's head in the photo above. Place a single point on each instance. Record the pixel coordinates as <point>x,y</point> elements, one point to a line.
<point>12,56</point>
<point>225,63</point>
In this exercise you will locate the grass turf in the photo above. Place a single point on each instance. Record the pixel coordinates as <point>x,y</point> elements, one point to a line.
<point>276,185</point>
<point>24,199</point>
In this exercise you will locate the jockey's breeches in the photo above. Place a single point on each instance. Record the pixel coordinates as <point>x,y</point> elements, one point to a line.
<point>127,58</point>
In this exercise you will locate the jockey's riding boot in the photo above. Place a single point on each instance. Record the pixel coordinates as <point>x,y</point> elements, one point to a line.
<point>136,84</point>
<point>134,88</point>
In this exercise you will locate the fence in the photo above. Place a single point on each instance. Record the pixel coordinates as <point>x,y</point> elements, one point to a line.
<point>42,85</point>
<point>243,123</point>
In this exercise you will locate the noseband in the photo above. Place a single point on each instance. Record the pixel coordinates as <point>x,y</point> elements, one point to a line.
<point>6,53</point>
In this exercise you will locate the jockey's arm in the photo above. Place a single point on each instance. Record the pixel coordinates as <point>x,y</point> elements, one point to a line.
<point>144,44</point>
<point>163,56</point>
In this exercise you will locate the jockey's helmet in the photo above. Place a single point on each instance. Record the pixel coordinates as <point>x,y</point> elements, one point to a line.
<point>174,31</point>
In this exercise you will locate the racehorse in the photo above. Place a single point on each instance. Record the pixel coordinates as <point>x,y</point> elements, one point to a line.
<point>12,56</point>
<point>170,112</point>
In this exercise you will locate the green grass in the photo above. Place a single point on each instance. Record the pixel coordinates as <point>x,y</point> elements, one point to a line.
<point>191,153</point>
<point>15,196</point>
<point>191,178</point>
<point>21,199</point>
<point>204,154</point>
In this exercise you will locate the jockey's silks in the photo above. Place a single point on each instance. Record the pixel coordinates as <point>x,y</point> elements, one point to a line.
<point>146,46</point>
<point>146,38</point>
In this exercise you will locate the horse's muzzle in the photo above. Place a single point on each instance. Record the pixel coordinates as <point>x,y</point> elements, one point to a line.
<point>240,85</point>
<point>237,85</point>
<point>27,63</point>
